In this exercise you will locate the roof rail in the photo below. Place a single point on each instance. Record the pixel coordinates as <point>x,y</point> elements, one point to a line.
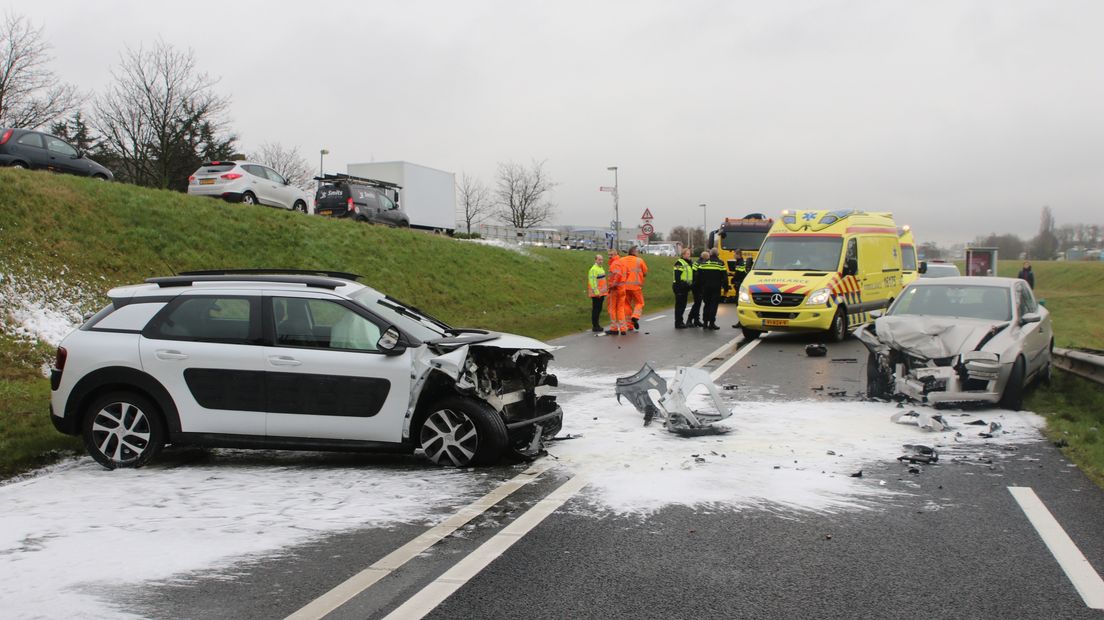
<point>311,281</point>
<point>366,181</point>
<point>298,272</point>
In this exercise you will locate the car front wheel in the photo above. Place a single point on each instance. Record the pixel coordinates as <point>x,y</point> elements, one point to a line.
<point>300,206</point>
<point>1014,389</point>
<point>123,429</point>
<point>838,331</point>
<point>461,431</point>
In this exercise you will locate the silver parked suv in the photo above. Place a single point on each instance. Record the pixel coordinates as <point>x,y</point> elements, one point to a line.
<point>295,360</point>
<point>248,182</point>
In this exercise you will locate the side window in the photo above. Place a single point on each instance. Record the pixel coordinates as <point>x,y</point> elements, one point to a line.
<point>386,204</point>
<point>254,170</point>
<point>323,324</point>
<point>365,196</point>
<point>31,139</point>
<point>61,148</point>
<point>1025,300</point>
<point>852,251</point>
<point>207,319</point>
<point>273,175</point>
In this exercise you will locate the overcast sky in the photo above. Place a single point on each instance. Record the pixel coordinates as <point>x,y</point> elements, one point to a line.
<point>962,118</point>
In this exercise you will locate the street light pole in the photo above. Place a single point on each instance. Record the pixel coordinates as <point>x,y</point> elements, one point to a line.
<point>321,157</point>
<point>705,218</point>
<point>616,212</point>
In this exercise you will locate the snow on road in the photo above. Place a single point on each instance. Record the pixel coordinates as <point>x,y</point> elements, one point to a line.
<point>70,531</point>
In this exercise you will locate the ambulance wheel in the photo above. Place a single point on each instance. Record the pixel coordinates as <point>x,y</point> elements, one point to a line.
<point>751,334</point>
<point>838,331</point>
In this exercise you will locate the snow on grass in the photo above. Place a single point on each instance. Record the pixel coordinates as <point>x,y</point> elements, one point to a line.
<point>40,310</point>
<point>782,456</point>
<point>498,243</point>
<point>76,528</point>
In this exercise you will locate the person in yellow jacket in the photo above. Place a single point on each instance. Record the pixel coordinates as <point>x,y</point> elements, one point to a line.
<point>635,270</point>
<point>618,323</point>
<point>597,288</point>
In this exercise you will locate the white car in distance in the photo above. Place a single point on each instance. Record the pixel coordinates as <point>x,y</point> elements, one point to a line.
<point>249,183</point>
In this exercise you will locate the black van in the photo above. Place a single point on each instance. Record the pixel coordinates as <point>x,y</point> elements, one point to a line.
<point>365,200</point>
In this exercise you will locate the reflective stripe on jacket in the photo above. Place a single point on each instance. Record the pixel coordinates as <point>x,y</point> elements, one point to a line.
<point>596,282</point>
<point>635,270</point>
<point>616,276</point>
<point>684,272</point>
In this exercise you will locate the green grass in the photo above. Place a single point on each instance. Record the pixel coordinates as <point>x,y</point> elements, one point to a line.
<point>82,237</point>
<point>1074,408</point>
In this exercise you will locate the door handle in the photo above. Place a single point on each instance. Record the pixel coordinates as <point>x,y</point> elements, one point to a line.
<point>283,360</point>
<point>169,354</point>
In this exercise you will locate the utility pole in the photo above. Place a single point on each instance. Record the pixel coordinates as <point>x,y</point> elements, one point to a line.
<point>616,212</point>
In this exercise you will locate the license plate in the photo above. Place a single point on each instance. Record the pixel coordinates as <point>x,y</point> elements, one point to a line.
<point>775,322</point>
<point>206,181</point>
<point>325,212</point>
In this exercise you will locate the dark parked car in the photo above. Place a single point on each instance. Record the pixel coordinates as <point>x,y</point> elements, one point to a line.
<point>23,148</point>
<point>364,200</point>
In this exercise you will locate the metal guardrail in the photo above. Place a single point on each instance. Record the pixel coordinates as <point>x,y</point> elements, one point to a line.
<point>1086,364</point>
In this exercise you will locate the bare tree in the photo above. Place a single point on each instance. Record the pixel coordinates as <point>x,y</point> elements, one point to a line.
<point>288,162</point>
<point>161,117</point>
<point>520,194</point>
<point>30,94</point>
<point>474,199</point>
<point>1045,243</point>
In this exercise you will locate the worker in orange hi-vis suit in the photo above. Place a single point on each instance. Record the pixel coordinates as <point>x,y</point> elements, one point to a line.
<point>618,321</point>
<point>632,295</point>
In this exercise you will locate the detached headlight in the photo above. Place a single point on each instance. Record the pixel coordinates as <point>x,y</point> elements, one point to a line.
<point>743,295</point>
<point>818,297</point>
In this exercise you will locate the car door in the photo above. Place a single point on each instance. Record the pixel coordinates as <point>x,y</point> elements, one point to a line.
<point>283,193</point>
<point>205,349</point>
<point>63,157</point>
<point>32,148</point>
<point>326,377</point>
<point>1035,336</point>
<point>260,184</point>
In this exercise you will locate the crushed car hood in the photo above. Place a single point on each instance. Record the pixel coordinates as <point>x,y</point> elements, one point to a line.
<point>933,337</point>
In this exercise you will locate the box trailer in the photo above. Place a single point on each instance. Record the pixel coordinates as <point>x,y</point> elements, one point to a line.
<point>428,195</point>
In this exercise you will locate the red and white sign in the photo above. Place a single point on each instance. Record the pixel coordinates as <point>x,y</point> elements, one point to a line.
<point>606,188</point>
<point>642,238</point>
<point>647,229</point>
<point>647,215</point>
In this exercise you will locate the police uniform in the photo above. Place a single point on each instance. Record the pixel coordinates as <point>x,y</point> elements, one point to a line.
<point>597,288</point>
<point>714,278</point>
<point>683,282</point>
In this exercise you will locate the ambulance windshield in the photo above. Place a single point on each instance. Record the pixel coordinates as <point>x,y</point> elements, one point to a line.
<point>800,253</point>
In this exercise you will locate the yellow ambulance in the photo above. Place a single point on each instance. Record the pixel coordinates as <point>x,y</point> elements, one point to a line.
<point>821,271</point>
<point>911,268</point>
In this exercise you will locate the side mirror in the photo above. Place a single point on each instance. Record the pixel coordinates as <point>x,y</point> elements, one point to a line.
<point>923,266</point>
<point>391,342</point>
<point>850,267</point>
<point>880,312</point>
<point>1041,302</point>
<point>1030,317</point>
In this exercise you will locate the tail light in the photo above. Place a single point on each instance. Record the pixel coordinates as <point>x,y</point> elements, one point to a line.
<point>230,176</point>
<point>351,206</point>
<point>59,361</point>
<point>7,136</point>
<point>191,178</point>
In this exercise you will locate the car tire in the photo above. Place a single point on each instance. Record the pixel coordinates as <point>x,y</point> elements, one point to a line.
<point>461,431</point>
<point>300,206</point>
<point>99,177</point>
<point>878,384</point>
<point>123,430</point>
<point>248,198</point>
<point>19,164</point>
<point>838,330</point>
<point>1012,398</point>
<point>751,334</point>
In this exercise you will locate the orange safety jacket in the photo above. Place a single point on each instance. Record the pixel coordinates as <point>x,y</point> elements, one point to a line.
<point>634,269</point>
<point>616,276</point>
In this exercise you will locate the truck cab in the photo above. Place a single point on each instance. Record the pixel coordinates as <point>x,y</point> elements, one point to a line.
<point>743,235</point>
<point>821,271</point>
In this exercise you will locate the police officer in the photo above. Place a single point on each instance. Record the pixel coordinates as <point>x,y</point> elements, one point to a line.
<point>692,319</point>
<point>597,288</point>
<point>684,281</point>
<point>739,271</point>
<point>714,279</point>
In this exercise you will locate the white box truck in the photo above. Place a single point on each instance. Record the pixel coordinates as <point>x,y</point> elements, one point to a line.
<point>428,196</point>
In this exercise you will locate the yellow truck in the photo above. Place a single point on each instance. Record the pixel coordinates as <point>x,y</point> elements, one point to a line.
<point>743,235</point>
<point>821,271</point>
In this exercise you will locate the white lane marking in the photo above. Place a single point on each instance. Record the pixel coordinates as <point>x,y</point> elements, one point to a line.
<point>731,343</point>
<point>429,597</point>
<point>1088,583</point>
<point>655,318</point>
<point>723,368</point>
<point>361,581</point>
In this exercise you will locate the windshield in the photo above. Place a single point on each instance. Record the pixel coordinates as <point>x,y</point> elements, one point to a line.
<point>736,240</point>
<point>803,252</point>
<point>405,317</point>
<point>971,302</point>
<point>941,271</point>
<point>908,258</point>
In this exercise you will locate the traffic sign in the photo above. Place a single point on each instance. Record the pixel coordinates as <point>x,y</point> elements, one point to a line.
<point>647,215</point>
<point>606,188</point>
<point>642,238</point>
<point>647,229</point>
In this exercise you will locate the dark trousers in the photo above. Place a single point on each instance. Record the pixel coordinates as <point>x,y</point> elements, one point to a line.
<point>695,309</point>
<point>595,310</point>
<point>681,293</point>
<point>712,298</point>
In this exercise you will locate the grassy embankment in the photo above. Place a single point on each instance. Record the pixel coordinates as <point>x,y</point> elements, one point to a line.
<point>72,239</point>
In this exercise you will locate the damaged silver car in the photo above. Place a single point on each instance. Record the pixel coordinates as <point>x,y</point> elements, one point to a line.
<point>960,340</point>
<point>295,360</point>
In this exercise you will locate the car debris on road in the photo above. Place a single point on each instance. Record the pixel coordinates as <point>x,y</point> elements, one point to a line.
<point>924,420</point>
<point>678,417</point>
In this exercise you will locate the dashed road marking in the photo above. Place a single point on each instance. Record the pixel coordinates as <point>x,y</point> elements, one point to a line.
<point>363,580</point>
<point>730,362</point>
<point>1087,581</point>
<point>721,349</point>
<point>655,318</point>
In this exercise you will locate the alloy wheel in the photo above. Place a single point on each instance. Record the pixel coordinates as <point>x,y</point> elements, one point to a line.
<point>121,432</point>
<point>449,437</point>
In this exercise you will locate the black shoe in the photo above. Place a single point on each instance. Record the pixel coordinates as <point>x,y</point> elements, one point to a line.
<point>596,329</point>
<point>611,332</point>
<point>713,326</point>
<point>680,326</point>
<point>636,324</point>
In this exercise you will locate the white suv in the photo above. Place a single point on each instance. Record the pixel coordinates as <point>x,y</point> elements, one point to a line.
<point>295,360</point>
<point>243,181</point>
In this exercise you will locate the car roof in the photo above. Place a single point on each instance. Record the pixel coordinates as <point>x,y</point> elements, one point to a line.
<point>172,286</point>
<point>993,281</point>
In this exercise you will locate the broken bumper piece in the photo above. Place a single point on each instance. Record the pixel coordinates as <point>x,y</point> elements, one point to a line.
<point>677,415</point>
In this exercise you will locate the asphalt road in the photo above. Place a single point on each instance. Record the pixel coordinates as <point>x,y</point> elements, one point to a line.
<point>953,544</point>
